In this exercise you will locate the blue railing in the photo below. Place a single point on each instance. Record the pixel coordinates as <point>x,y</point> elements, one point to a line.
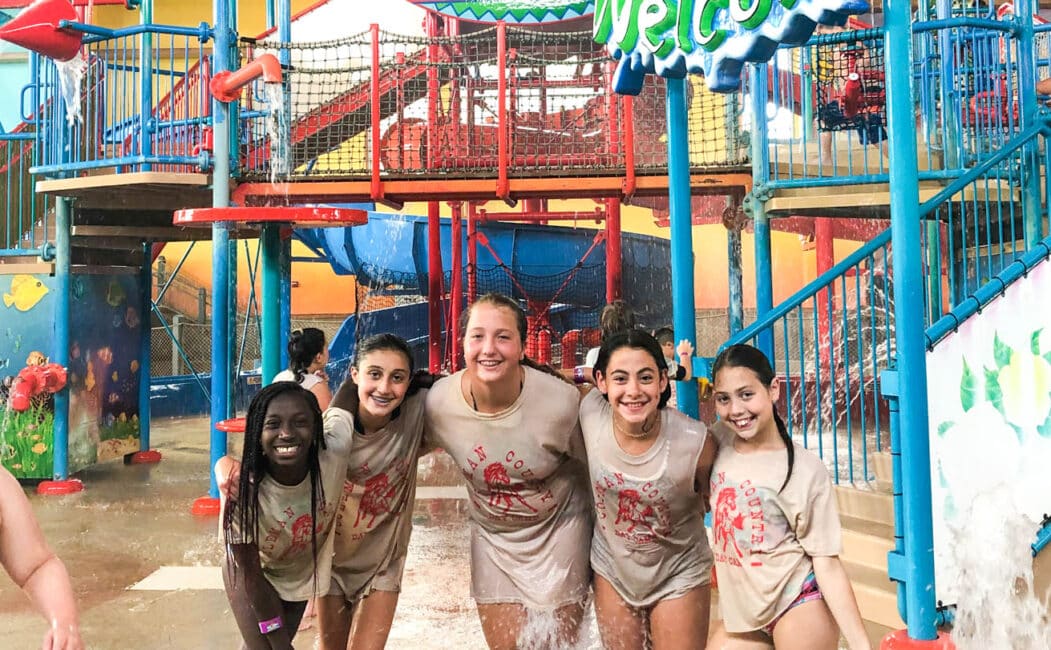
<point>143,103</point>
<point>25,218</point>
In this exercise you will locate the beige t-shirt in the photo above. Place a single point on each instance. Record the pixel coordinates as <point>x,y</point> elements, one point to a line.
<point>762,540</point>
<point>286,554</point>
<point>649,542</point>
<point>375,521</point>
<point>530,512</point>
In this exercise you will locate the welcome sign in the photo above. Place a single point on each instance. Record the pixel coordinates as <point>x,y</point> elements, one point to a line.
<point>712,37</point>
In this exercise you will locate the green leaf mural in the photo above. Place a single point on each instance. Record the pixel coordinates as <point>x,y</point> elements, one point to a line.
<point>993,394</point>
<point>1045,428</point>
<point>1034,342</point>
<point>943,427</point>
<point>967,388</point>
<point>1001,352</point>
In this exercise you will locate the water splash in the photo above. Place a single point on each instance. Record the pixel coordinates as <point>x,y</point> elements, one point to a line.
<point>278,131</point>
<point>70,78</point>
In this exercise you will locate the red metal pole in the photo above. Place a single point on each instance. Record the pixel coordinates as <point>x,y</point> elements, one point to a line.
<point>433,94</point>
<point>613,254</point>
<point>472,253</point>
<point>826,259</point>
<point>503,188</point>
<point>456,286</point>
<point>434,286</point>
<point>376,188</point>
<point>629,145</point>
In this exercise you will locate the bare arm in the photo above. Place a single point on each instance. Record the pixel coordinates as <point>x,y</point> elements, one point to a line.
<point>839,595</point>
<point>35,568</point>
<point>254,600</point>
<point>702,479</point>
<point>323,394</point>
<point>685,352</point>
<point>1043,87</point>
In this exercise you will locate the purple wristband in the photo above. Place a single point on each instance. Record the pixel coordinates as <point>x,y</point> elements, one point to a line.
<point>578,375</point>
<point>266,627</point>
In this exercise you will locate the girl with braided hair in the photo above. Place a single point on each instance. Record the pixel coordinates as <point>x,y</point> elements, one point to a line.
<point>276,528</point>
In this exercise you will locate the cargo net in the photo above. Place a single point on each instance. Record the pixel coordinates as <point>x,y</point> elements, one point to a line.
<point>850,87</point>
<point>439,109</point>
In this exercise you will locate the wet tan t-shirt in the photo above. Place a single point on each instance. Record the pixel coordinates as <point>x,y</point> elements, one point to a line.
<point>530,511</point>
<point>286,554</point>
<point>762,540</point>
<point>650,542</point>
<point>374,524</point>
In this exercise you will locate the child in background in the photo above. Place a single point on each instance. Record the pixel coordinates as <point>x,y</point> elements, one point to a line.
<point>616,317</point>
<point>382,408</point>
<point>307,358</point>
<point>775,528</point>
<point>681,370</point>
<point>276,529</point>
<point>34,568</point>
<point>649,468</point>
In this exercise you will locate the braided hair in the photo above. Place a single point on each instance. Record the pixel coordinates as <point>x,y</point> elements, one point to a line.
<point>746,356</point>
<point>254,466</point>
<point>303,346</point>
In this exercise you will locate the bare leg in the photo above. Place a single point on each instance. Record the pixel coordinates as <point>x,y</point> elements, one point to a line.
<point>809,626</point>
<point>826,147</point>
<point>334,617</point>
<point>723,640</point>
<point>681,622</point>
<point>503,623</point>
<point>308,615</point>
<point>621,626</point>
<point>373,620</point>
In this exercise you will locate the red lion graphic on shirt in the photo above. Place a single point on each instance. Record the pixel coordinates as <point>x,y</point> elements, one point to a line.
<point>727,519</point>
<point>377,499</point>
<point>501,493</point>
<point>631,509</point>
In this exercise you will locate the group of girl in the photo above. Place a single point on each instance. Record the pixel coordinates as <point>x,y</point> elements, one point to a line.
<point>571,492</point>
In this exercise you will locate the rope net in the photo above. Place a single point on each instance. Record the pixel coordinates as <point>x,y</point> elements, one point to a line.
<point>850,89</point>
<point>445,105</point>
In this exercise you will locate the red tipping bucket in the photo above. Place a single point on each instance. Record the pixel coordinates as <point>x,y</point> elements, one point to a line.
<point>36,29</point>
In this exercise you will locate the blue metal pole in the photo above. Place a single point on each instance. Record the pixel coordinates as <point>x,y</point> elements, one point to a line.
<point>146,92</point>
<point>684,316</point>
<point>60,354</point>
<point>736,273</point>
<point>284,35</point>
<point>907,251</point>
<point>224,40</point>
<point>145,346</point>
<point>1031,214</point>
<point>764,280</point>
<point>271,303</point>
<point>949,100</point>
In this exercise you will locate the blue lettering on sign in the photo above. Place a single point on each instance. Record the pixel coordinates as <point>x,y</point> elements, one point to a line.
<point>712,37</point>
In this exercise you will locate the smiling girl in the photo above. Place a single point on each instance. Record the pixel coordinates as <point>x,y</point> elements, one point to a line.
<point>512,430</point>
<point>381,409</point>
<point>649,468</point>
<point>776,531</point>
<point>276,529</point>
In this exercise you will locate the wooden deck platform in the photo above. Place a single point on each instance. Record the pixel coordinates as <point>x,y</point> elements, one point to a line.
<point>872,201</point>
<point>133,191</point>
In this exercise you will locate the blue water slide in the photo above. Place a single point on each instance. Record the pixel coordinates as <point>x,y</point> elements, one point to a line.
<point>531,263</point>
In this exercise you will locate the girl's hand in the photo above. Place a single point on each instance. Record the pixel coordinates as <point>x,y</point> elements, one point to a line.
<point>685,348</point>
<point>230,486</point>
<point>320,372</point>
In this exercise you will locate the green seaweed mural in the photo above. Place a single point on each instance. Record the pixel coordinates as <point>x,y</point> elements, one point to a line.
<point>25,446</point>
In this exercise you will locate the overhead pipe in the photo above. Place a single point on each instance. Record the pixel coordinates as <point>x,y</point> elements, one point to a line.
<point>226,86</point>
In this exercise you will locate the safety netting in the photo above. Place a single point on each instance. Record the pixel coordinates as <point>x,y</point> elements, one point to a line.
<point>533,102</point>
<point>850,87</point>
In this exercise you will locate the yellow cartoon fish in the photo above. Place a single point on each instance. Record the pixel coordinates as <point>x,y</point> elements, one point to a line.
<point>134,365</point>
<point>26,292</point>
<point>89,381</point>
<point>114,375</point>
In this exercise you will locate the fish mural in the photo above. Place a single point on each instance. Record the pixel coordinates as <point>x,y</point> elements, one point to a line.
<point>26,291</point>
<point>115,294</point>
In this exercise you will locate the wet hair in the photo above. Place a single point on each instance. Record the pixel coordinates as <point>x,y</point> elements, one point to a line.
<point>746,356</point>
<point>637,340</point>
<point>664,335</point>
<point>303,346</point>
<point>499,300</point>
<point>254,465</point>
<point>616,317</point>
<point>383,342</point>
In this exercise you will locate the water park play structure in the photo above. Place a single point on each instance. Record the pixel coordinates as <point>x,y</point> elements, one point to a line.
<point>506,112</point>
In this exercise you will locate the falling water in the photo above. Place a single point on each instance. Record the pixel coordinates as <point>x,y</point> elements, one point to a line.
<point>278,132</point>
<point>70,76</point>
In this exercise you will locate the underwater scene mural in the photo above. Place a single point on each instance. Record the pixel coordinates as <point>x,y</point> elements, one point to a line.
<point>102,376</point>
